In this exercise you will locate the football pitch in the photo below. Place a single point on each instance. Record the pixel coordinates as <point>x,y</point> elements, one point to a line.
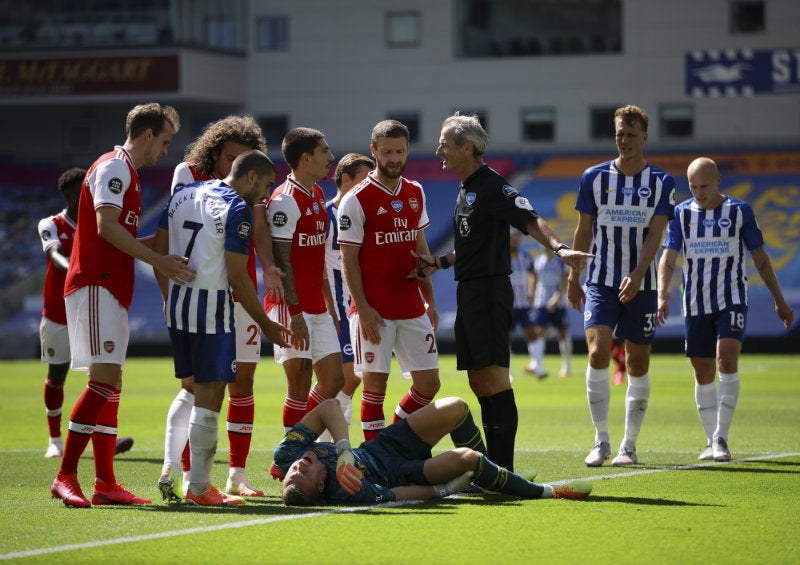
<point>670,508</point>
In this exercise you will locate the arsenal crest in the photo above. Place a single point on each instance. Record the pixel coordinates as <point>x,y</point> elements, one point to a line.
<point>413,204</point>
<point>108,346</point>
<point>370,357</point>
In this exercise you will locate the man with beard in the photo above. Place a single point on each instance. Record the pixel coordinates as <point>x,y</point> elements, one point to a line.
<point>381,223</point>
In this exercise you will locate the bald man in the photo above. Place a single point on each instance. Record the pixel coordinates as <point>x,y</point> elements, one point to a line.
<point>711,231</point>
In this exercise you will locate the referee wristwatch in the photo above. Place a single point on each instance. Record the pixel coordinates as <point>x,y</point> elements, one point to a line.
<point>559,248</point>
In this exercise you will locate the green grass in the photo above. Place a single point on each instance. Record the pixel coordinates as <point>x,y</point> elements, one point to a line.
<point>666,510</point>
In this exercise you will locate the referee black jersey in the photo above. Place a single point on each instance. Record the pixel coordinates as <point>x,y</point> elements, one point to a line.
<point>486,206</point>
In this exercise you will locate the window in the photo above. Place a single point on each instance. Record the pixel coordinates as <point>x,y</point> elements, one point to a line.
<point>676,120</point>
<point>602,123</point>
<point>480,114</point>
<point>538,124</point>
<point>537,28</point>
<point>274,128</point>
<point>403,29</point>
<point>747,17</point>
<point>272,33</point>
<point>410,120</point>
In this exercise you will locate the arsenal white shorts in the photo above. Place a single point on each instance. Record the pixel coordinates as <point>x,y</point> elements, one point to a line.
<point>412,342</point>
<point>248,336</point>
<point>54,339</point>
<point>322,337</point>
<point>98,328</point>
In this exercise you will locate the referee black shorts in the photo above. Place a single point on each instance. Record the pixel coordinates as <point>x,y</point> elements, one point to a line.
<point>483,320</point>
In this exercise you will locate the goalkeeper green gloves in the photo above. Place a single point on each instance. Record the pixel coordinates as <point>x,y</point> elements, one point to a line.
<point>347,474</point>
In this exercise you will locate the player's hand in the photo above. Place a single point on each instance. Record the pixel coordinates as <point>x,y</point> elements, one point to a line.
<point>663,312</point>
<point>299,332</point>
<point>575,295</point>
<point>175,268</point>
<point>272,283</point>
<point>275,333</point>
<point>426,266</point>
<point>454,485</point>
<point>368,322</point>
<point>629,287</point>
<point>347,474</point>
<point>785,313</point>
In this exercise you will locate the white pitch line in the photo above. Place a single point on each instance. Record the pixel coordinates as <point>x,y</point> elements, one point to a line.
<point>175,533</point>
<point>261,521</point>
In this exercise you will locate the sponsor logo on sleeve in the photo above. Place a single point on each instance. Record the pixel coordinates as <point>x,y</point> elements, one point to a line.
<point>345,222</point>
<point>45,235</point>
<point>279,219</point>
<point>510,191</point>
<point>244,230</point>
<point>115,185</point>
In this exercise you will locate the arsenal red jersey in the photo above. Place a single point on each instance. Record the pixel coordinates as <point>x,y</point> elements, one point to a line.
<point>186,173</point>
<point>300,217</point>
<point>111,181</point>
<point>55,230</point>
<point>385,223</point>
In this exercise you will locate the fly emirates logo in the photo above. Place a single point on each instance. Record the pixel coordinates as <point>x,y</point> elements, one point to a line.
<point>312,240</point>
<point>399,234</point>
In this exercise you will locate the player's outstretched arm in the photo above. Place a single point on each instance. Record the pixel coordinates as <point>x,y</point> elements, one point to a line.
<point>245,291</point>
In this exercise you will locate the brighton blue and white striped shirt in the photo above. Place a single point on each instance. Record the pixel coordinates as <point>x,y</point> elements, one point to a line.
<point>623,207</point>
<point>713,243</point>
<point>205,220</point>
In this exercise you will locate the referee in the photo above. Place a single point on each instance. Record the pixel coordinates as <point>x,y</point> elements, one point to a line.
<point>485,208</point>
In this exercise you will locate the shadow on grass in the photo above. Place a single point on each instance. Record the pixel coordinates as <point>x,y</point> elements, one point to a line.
<point>642,501</point>
<point>757,470</point>
<point>742,466</point>
<point>271,505</point>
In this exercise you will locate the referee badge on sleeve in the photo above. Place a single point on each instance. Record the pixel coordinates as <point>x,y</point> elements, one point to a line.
<point>522,202</point>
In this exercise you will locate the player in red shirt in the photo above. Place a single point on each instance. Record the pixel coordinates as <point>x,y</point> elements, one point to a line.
<point>298,222</point>
<point>211,156</point>
<point>381,225</point>
<point>57,234</point>
<point>98,292</point>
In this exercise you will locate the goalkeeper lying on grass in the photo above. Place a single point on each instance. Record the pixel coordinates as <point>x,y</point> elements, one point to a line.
<point>397,465</point>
